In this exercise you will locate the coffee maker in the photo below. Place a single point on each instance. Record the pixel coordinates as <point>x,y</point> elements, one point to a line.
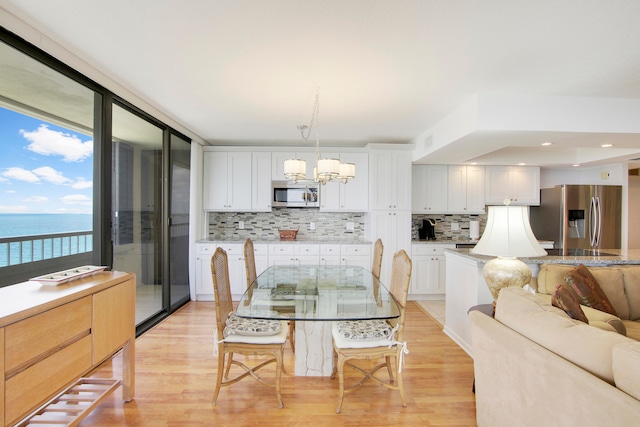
<point>428,230</point>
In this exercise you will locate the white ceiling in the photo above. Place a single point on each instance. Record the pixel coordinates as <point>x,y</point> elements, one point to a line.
<point>245,71</point>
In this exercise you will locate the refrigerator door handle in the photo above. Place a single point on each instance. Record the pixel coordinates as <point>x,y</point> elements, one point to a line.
<point>599,230</point>
<point>592,221</point>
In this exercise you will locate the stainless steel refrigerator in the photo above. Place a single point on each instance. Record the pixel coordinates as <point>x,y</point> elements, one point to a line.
<point>580,219</point>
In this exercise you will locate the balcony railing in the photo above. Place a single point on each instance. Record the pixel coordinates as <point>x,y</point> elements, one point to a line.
<point>24,249</point>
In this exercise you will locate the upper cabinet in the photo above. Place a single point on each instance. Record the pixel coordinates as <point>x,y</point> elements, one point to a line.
<point>261,182</point>
<point>227,181</point>
<point>465,189</point>
<point>353,196</point>
<point>390,179</point>
<point>429,189</point>
<point>441,189</point>
<point>519,184</point>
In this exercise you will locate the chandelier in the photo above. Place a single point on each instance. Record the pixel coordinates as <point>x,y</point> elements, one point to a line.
<point>325,169</point>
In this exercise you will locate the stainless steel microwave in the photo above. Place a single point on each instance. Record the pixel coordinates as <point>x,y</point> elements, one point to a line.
<point>286,194</point>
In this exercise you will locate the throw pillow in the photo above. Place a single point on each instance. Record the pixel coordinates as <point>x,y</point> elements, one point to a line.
<point>364,329</point>
<point>251,327</point>
<point>588,290</point>
<point>565,299</point>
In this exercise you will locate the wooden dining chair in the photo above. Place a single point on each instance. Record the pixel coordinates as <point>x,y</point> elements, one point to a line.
<point>236,335</point>
<point>376,267</point>
<point>250,268</point>
<point>375,339</point>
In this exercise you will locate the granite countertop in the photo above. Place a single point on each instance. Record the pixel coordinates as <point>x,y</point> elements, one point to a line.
<point>445,241</point>
<point>618,256</point>
<point>326,241</point>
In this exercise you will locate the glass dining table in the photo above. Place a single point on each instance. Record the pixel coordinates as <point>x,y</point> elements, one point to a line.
<point>314,296</point>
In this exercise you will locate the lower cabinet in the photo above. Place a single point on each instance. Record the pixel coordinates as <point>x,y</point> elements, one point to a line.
<point>428,277</point>
<point>204,281</point>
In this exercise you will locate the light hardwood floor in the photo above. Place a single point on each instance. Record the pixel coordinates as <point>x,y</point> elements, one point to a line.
<point>175,374</point>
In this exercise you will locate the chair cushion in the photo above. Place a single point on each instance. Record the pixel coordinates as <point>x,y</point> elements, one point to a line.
<point>565,299</point>
<point>364,329</point>
<point>235,325</point>
<point>341,342</point>
<point>588,289</point>
<point>278,338</point>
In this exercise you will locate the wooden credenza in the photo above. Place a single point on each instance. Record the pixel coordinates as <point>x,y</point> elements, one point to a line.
<point>50,336</point>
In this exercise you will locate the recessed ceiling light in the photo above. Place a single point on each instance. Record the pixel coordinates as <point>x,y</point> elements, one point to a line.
<point>474,163</point>
<point>606,145</point>
<point>546,143</point>
<point>521,164</point>
<point>576,165</point>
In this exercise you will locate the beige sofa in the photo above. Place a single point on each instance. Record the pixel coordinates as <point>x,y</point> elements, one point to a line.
<point>621,284</point>
<point>535,366</point>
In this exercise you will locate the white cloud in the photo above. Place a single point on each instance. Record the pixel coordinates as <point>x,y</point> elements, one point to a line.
<point>81,184</point>
<point>20,174</point>
<point>3,179</point>
<point>10,191</point>
<point>14,209</point>
<point>37,199</point>
<point>53,143</point>
<point>76,199</point>
<point>51,175</point>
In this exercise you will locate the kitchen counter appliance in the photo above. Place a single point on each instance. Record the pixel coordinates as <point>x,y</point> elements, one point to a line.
<point>286,194</point>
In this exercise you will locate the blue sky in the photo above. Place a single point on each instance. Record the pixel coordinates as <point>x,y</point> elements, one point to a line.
<point>43,168</point>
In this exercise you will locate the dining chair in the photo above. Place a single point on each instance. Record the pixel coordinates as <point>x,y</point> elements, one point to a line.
<point>375,339</point>
<point>376,267</point>
<point>236,335</point>
<point>250,268</point>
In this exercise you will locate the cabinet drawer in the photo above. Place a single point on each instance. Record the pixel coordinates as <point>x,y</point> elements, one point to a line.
<point>328,250</point>
<point>281,249</point>
<point>307,249</point>
<point>33,386</point>
<point>205,248</point>
<point>232,249</point>
<point>350,250</point>
<point>427,249</point>
<point>260,249</point>
<point>37,336</point>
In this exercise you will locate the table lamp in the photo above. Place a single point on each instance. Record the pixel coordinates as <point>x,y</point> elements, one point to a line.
<point>507,236</point>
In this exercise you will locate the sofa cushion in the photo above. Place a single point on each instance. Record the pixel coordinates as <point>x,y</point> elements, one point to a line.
<point>632,328</point>
<point>632,289</point>
<point>596,316</point>
<point>588,289</point>
<point>535,318</point>
<point>550,275</point>
<point>565,299</point>
<point>626,359</point>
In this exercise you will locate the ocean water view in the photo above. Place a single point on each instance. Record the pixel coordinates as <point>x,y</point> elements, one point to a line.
<point>33,225</point>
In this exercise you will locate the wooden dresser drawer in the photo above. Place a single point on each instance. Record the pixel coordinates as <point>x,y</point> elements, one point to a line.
<point>37,336</point>
<point>36,384</point>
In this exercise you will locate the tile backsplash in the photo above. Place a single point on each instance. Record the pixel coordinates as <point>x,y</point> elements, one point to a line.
<point>444,225</point>
<point>265,225</point>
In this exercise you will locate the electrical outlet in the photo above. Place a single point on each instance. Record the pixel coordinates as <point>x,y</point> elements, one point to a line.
<point>455,226</point>
<point>312,226</point>
<point>240,225</point>
<point>605,175</point>
<point>350,227</point>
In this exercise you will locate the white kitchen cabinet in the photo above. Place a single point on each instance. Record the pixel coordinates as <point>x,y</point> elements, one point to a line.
<point>394,228</point>
<point>278,158</point>
<point>294,254</point>
<point>390,179</point>
<point>428,276</point>
<point>261,257</point>
<point>465,187</point>
<point>353,196</point>
<point>227,181</point>
<point>204,281</point>
<point>329,254</point>
<point>237,270</point>
<point>519,184</point>
<point>261,182</point>
<point>429,189</point>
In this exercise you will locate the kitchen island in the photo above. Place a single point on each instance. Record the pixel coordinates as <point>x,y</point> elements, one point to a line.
<point>465,285</point>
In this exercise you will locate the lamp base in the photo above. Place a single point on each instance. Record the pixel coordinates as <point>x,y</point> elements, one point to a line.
<point>504,271</point>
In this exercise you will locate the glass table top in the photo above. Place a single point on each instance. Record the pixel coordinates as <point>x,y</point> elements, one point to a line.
<point>317,293</point>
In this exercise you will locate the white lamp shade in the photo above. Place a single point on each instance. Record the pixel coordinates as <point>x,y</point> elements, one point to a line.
<point>328,168</point>
<point>508,234</point>
<point>347,171</point>
<point>295,168</point>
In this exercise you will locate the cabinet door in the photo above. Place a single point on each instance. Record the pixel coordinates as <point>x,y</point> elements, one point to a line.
<point>215,183</point>
<point>439,274</point>
<point>497,185</point>
<point>475,189</point>
<point>330,191</point>
<point>390,178</point>
<point>436,188</point>
<point>239,181</point>
<point>525,185</point>
<point>354,195</point>
<point>394,228</point>
<point>419,275</point>
<point>457,189</point>
<point>261,182</point>
<point>419,189</point>
<point>402,175</point>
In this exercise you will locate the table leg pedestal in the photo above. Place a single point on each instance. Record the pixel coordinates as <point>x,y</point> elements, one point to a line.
<point>314,349</point>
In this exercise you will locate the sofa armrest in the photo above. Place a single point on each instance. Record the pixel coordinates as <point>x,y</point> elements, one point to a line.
<point>597,317</point>
<point>626,374</point>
